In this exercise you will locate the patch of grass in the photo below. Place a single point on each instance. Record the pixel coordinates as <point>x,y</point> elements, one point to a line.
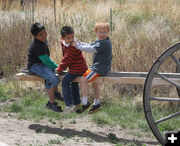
<point>15,107</point>
<point>73,121</point>
<point>54,141</point>
<point>112,137</point>
<point>123,113</point>
<point>137,18</point>
<point>102,118</point>
<point>37,143</point>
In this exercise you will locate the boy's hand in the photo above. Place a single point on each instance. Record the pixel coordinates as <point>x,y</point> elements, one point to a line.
<point>56,71</point>
<point>59,73</point>
<point>74,43</point>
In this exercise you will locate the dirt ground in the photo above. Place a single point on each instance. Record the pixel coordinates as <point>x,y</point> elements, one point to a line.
<point>78,132</point>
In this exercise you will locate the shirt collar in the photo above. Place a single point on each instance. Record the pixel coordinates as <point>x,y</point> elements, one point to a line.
<point>46,42</point>
<point>64,43</point>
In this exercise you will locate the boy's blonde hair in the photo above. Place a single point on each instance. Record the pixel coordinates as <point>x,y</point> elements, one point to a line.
<point>104,25</point>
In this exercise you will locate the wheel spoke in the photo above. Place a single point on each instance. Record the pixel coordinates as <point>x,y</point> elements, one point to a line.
<point>168,80</point>
<point>175,60</point>
<point>168,117</point>
<point>165,99</point>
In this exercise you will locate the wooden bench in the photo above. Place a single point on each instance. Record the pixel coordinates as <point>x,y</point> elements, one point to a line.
<point>115,77</point>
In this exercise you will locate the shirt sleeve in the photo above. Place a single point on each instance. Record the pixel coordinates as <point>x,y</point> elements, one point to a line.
<point>102,45</point>
<point>89,48</point>
<point>47,61</point>
<point>68,59</point>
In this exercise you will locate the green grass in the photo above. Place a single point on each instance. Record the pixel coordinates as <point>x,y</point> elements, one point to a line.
<point>122,111</point>
<point>123,114</point>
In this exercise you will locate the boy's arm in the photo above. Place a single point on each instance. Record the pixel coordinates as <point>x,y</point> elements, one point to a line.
<point>47,61</point>
<point>64,64</point>
<point>67,60</point>
<point>89,48</point>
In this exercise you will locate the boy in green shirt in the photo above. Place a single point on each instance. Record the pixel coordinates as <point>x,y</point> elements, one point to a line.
<point>40,64</point>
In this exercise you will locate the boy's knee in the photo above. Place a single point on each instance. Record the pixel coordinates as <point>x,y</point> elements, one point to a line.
<point>95,84</point>
<point>83,80</point>
<point>65,82</point>
<point>54,79</point>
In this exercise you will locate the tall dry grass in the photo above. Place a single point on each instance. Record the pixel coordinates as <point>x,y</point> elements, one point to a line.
<point>142,29</point>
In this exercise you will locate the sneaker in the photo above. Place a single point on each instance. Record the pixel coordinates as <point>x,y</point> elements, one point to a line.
<point>75,107</point>
<point>95,108</point>
<point>54,106</point>
<point>67,110</point>
<point>70,109</point>
<point>83,108</point>
<point>58,96</point>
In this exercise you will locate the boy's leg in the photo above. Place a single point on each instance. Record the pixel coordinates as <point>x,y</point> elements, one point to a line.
<point>84,87</point>
<point>75,93</point>
<point>51,95</point>
<point>56,89</point>
<point>66,88</point>
<point>57,94</point>
<point>51,81</point>
<point>88,76</point>
<point>96,105</point>
<point>97,93</point>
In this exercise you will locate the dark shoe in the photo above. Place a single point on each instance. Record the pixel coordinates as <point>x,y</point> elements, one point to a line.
<point>83,108</point>
<point>94,108</point>
<point>54,106</point>
<point>58,96</point>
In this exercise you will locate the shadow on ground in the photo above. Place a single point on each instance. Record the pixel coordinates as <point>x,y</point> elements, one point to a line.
<point>85,133</point>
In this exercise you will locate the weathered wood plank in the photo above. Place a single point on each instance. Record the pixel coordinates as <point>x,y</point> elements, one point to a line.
<point>115,77</point>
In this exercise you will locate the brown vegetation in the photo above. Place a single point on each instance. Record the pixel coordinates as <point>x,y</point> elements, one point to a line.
<point>142,30</point>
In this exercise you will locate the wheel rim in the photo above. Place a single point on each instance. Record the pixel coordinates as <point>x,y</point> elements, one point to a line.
<point>178,71</point>
<point>148,98</point>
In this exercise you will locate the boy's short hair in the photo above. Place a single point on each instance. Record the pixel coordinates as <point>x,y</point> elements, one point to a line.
<point>104,25</point>
<point>36,28</point>
<point>66,30</point>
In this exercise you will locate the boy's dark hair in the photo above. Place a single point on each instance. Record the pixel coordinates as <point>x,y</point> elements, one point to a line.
<point>36,28</point>
<point>66,30</point>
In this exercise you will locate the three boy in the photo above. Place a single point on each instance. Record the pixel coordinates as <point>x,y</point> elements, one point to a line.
<point>72,58</point>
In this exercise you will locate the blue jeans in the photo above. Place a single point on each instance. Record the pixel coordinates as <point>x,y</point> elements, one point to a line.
<point>70,90</point>
<point>40,69</point>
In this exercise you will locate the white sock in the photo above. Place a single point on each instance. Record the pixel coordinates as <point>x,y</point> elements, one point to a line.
<point>84,100</point>
<point>67,107</point>
<point>96,101</point>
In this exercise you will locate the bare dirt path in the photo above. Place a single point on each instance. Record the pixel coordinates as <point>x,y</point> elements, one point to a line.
<point>69,133</point>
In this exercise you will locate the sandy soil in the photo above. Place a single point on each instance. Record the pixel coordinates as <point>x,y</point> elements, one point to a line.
<point>68,133</point>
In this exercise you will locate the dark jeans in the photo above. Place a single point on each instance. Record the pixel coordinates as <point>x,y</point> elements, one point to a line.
<point>70,90</point>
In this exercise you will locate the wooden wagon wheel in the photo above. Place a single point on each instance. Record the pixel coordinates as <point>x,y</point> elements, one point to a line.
<point>149,99</point>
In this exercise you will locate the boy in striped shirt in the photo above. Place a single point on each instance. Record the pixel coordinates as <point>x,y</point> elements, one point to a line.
<point>74,60</point>
<point>102,58</point>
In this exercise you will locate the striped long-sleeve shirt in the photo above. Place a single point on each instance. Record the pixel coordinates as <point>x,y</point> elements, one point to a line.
<point>73,59</point>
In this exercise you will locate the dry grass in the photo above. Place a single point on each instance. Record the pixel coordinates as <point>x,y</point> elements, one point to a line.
<point>142,29</point>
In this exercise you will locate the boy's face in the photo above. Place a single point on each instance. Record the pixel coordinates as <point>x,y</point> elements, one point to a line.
<point>69,38</point>
<point>41,36</point>
<point>102,33</point>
